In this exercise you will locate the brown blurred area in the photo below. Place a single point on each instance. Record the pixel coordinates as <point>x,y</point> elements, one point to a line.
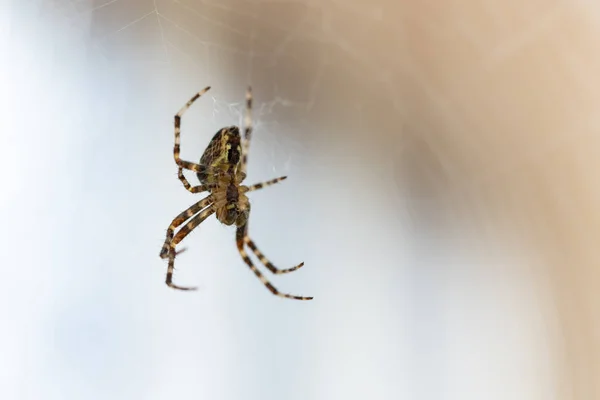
<point>509,102</point>
<point>515,111</point>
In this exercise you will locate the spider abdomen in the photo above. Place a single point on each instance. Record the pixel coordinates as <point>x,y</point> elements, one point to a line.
<point>222,155</point>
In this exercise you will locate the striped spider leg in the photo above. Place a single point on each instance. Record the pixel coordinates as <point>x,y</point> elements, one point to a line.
<point>242,237</point>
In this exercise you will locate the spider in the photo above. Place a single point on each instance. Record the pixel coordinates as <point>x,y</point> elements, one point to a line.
<point>221,170</point>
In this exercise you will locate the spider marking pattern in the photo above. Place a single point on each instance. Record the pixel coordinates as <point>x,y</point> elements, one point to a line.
<point>221,170</point>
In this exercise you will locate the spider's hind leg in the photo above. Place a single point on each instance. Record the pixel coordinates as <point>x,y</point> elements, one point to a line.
<point>265,261</point>
<point>241,239</point>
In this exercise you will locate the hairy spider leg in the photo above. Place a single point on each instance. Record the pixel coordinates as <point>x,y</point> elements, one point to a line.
<point>247,130</point>
<point>183,232</point>
<point>180,219</point>
<point>251,243</point>
<point>265,261</point>
<point>177,148</point>
<point>261,185</point>
<point>187,186</point>
<point>241,235</point>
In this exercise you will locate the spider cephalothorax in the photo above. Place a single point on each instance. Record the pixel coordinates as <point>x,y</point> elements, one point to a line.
<point>231,203</point>
<point>221,170</point>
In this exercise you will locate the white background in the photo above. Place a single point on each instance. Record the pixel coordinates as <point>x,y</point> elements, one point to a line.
<point>443,191</point>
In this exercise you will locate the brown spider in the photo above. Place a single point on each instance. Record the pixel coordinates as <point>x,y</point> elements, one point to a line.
<point>221,170</point>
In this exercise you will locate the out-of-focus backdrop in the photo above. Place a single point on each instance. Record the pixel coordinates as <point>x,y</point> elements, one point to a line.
<point>443,191</point>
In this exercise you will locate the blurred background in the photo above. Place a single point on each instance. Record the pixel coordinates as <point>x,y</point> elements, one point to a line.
<point>442,192</point>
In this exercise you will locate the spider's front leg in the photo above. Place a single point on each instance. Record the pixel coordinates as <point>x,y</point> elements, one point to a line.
<point>243,238</point>
<point>177,147</point>
<point>247,130</point>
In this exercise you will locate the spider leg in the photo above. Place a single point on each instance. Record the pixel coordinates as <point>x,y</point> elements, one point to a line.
<point>265,261</point>
<point>177,148</point>
<point>247,130</point>
<point>261,185</point>
<point>186,184</point>
<point>240,240</point>
<point>200,188</point>
<point>180,219</point>
<point>183,232</point>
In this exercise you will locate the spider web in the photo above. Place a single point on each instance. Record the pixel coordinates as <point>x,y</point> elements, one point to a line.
<point>395,124</point>
<point>230,44</point>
